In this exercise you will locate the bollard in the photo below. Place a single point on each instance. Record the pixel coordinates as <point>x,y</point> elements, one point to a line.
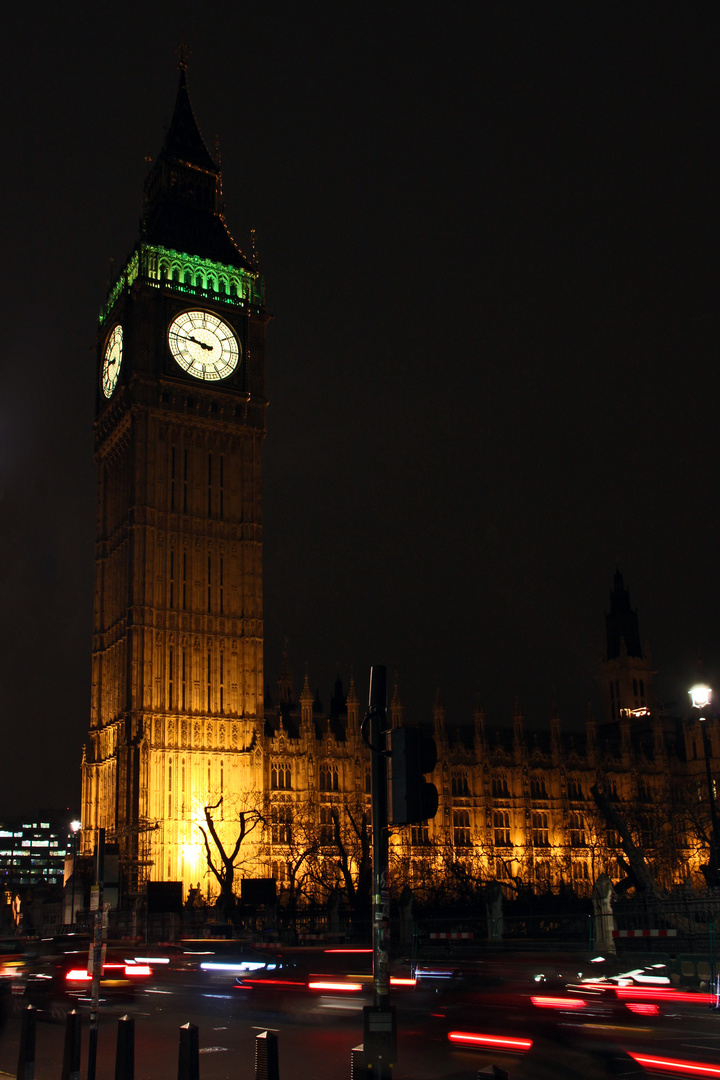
<point>26,1057</point>
<point>266,1056</point>
<point>71,1053</point>
<point>359,1068</point>
<point>125,1049</point>
<point>189,1053</point>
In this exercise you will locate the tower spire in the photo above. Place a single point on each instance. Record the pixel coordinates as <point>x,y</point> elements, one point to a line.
<point>621,622</point>
<point>182,208</point>
<point>183,53</point>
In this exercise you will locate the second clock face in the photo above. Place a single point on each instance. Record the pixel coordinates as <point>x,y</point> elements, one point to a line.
<point>203,345</point>
<point>112,360</point>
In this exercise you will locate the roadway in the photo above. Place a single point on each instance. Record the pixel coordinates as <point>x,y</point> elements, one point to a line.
<point>315,1043</point>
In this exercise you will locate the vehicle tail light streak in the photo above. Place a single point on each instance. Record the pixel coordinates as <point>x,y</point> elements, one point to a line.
<point>344,951</point>
<point>83,975</point>
<point>647,993</point>
<point>493,1042</point>
<point>672,1065</point>
<point>650,993</point>
<point>642,1008</point>
<point>341,985</point>
<point>558,1003</point>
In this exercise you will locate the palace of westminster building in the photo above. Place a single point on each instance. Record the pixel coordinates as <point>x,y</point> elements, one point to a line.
<point>180,718</point>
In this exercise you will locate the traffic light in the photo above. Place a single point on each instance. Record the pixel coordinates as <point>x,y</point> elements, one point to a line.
<point>412,798</point>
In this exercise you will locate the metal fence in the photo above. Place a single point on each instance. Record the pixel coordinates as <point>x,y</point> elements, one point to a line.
<point>685,921</point>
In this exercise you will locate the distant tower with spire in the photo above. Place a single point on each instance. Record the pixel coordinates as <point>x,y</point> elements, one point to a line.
<point>626,667</point>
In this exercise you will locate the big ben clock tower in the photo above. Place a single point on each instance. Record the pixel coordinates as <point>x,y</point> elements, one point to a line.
<point>177,665</point>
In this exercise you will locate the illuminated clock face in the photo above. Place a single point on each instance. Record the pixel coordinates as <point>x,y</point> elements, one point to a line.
<point>112,361</point>
<point>203,345</point>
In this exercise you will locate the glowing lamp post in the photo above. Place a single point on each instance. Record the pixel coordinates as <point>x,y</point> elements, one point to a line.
<point>701,697</point>
<point>75,827</point>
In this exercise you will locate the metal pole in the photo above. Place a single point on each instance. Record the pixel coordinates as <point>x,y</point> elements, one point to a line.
<point>381,895</point>
<point>379,1047</point>
<point>714,849</point>
<point>98,957</point>
<point>72,890</point>
<point>715,852</point>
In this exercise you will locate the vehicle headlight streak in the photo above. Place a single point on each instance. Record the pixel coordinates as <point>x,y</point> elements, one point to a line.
<point>245,965</point>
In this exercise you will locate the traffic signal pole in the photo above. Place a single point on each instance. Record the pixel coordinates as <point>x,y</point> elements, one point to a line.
<point>381,895</point>
<point>412,756</point>
<point>379,1047</point>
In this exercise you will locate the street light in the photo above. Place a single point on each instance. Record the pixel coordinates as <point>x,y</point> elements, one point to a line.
<point>75,827</point>
<point>701,696</point>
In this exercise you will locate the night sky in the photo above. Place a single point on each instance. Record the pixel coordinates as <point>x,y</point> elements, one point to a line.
<point>490,241</point>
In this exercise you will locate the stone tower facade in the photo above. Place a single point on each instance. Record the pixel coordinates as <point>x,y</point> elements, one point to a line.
<point>177,664</point>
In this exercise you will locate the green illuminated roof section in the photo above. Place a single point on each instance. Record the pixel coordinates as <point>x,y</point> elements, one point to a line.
<point>200,278</point>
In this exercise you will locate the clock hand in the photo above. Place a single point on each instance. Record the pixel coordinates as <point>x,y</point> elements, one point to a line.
<point>195,341</point>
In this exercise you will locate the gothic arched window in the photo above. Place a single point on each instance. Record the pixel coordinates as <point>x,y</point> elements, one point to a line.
<point>501,828</point>
<point>280,776</point>
<point>500,788</point>
<point>537,788</point>
<point>540,832</point>
<point>459,782</point>
<point>577,830</point>
<point>461,828</point>
<point>326,825</point>
<point>280,824</point>
<point>329,777</point>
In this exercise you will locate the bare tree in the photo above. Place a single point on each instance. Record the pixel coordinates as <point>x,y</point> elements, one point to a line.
<point>683,831</point>
<point>351,830</point>
<point>296,841</point>
<point>223,864</point>
<point>634,864</point>
<point>345,850</point>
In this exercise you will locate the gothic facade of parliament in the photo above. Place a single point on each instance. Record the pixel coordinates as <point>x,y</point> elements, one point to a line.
<point>179,716</point>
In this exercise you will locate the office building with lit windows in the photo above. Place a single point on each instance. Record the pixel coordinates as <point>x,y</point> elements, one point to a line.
<point>33,850</point>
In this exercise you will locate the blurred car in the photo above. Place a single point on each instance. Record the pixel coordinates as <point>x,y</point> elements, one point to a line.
<point>524,1005</point>
<point>56,984</point>
<point>309,981</point>
<point>502,995</point>
<point>12,956</point>
<point>169,957</point>
<point>646,991</point>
